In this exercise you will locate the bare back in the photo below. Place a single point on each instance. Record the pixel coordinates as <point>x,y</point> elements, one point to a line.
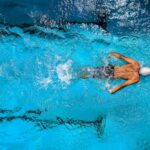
<point>127,72</point>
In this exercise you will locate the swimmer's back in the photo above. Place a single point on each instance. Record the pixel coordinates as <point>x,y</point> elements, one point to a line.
<point>127,72</point>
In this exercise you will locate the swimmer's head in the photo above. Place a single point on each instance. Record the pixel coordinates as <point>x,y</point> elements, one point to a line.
<point>145,71</point>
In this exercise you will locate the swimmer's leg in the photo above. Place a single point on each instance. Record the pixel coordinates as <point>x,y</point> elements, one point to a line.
<point>85,76</point>
<point>86,72</point>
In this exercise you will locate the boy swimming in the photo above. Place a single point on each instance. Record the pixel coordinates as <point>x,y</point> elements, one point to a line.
<point>130,72</point>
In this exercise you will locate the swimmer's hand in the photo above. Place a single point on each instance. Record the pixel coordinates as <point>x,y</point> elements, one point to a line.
<point>115,54</point>
<point>110,91</point>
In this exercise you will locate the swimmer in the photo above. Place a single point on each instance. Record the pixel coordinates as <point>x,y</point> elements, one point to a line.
<point>130,72</point>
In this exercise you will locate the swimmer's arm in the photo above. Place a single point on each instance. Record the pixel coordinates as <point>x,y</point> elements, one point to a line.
<point>129,60</point>
<point>117,88</point>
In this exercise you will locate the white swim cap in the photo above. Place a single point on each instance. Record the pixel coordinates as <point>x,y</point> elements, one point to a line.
<point>145,71</point>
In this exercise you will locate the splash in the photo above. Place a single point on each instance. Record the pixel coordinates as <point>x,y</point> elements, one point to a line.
<point>63,72</point>
<point>45,82</point>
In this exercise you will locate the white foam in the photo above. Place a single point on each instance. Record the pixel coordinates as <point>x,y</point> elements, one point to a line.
<point>105,61</point>
<point>63,71</point>
<point>107,84</point>
<point>121,3</point>
<point>58,57</point>
<point>44,82</point>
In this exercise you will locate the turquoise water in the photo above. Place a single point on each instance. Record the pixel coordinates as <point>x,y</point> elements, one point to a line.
<point>44,105</point>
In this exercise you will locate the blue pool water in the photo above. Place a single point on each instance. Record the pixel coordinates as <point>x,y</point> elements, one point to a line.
<point>44,105</point>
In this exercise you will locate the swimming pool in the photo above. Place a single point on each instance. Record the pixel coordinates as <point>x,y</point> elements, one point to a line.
<point>44,105</point>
